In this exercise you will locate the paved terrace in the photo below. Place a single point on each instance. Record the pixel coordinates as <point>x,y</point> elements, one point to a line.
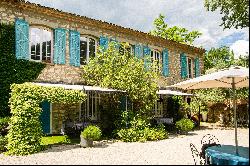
<point>172,151</point>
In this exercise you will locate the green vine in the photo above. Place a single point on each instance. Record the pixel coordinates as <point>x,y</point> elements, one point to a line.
<point>25,132</point>
<point>13,70</point>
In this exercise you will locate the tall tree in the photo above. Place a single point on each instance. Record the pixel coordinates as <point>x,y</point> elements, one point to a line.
<point>235,12</point>
<point>174,33</point>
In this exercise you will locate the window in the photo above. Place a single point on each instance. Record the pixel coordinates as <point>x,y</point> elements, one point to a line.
<point>87,49</point>
<point>89,108</point>
<point>156,56</point>
<point>129,48</point>
<point>40,45</point>
<point>158,107</point>
<point>190,68</point>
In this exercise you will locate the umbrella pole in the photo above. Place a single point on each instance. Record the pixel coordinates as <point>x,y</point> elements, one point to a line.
<point>235,119</point>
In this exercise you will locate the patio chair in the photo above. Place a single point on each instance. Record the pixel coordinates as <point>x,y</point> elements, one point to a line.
<point>209,139</point>
<point>198,160</point>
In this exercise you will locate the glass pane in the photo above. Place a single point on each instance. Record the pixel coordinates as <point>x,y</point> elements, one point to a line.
<point>91,48</point>
<point>90,104</point>
<point>189,68</point>
<point>37,55</point>
<point>83,50</point>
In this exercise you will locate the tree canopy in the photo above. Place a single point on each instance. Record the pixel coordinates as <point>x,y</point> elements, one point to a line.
<point>121,70</point>
<point>174,33</point>
<point>235,12</point>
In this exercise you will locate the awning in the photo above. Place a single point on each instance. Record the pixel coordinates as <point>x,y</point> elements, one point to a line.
<point>79,87</point>
<point>171,92</point>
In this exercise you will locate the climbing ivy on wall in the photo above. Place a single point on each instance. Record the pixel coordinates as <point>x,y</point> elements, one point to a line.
<point>24,136</point>
<point>11,69</point>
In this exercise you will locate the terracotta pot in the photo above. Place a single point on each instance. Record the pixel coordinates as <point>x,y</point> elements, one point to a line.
<point>86,142</point>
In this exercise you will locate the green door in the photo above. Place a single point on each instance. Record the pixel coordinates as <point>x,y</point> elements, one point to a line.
<point>45,117</point>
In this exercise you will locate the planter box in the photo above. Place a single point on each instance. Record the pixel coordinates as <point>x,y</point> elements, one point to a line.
<point>85,142</point>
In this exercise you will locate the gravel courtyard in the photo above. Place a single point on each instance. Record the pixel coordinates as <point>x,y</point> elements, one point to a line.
<point>172,151</point>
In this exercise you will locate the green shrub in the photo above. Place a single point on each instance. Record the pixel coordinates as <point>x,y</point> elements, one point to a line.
<point>142,134</point>
<point>50,140</point>
<point>92,132</point>
<point>4,123</point>
<point>184,125</point>
<point>3,143</point>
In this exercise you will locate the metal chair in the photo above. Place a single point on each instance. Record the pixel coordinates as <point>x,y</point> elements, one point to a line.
<point>198,160</point>
<point>209,139</point>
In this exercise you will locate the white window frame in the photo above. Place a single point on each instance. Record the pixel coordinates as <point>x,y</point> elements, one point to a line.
<point>52,43</point>
<point>154,51</point>
<point>88,37</point>
<point>94,113</point>
<point>158,108</point>
<point>192,68</point>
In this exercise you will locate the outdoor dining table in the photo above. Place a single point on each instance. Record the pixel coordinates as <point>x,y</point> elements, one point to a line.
<point>225,155</point>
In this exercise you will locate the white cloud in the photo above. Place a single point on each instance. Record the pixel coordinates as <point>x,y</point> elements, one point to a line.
<point>140,14</point>
<point>240,47</point>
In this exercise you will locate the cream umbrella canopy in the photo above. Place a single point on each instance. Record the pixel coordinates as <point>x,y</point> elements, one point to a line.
<point>234,77</point>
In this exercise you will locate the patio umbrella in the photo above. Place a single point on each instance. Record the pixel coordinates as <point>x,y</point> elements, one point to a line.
<point>234,77</point>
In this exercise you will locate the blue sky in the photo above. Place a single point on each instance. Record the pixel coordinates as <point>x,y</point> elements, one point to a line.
<point>140,14</point>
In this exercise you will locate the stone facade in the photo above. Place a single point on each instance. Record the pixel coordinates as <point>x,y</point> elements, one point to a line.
<point>72,75</point>
<point>48,18</point>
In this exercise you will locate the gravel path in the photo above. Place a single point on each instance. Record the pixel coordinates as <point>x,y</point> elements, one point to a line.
<point>172,151</point>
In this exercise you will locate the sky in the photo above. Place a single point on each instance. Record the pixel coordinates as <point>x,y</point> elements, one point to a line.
<point>140,14</point>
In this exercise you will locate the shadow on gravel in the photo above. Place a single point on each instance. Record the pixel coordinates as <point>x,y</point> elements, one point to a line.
<point>70,146</point>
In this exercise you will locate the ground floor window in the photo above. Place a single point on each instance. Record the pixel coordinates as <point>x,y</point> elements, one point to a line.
<point>89,109</point>
<point>158,107</point>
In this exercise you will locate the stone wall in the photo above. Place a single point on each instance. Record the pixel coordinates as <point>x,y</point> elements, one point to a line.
<point>62,113</point>
<point>69,74</point>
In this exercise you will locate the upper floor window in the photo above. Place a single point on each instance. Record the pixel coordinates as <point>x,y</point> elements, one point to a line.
<point>41,45</point>
<point>190,68</point>
<point>88,47</point>
<point>128,47</point>
<point>156,56</point>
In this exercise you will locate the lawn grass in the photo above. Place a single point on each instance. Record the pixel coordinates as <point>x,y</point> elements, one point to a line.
<point>52,140</point>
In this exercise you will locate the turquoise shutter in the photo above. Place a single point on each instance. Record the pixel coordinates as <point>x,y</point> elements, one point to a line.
<point>197,67</point>
<point>138,51</point>
<point>165,65</point>
<point>74,48</point>
<point>146,54</point>
<point>104,43</point>
<point>59,46</point>
<point>183,66</point>
<point>22,39</point>
<point>45,117</point>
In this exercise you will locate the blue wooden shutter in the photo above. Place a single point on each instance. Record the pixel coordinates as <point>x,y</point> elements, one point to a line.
<point>104,43</point>
<point>59,46</point>
<point>138,51</point>
<point>45,117</point>
<point>22,39</point>
<point>183,65</point>
<point>146,54</point>
<point>197,67</point>
<point>165,65</point>
<point>74,48</point>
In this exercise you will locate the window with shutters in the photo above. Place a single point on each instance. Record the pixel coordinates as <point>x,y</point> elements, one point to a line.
<point>190,68</point>
<point>41,44</point>
<point>90,108</point>
<point>88,46</point>
<point>156,56</point>
<point>158,107</point>
<point>128,48</point>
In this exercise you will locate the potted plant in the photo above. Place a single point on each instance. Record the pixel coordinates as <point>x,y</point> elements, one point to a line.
<point>204,115</point>
<point>184,125</point>
<point>90,134</point>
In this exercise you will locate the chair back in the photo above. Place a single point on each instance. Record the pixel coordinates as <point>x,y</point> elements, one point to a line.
<point>209,139</point>
<point>196,155</point>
